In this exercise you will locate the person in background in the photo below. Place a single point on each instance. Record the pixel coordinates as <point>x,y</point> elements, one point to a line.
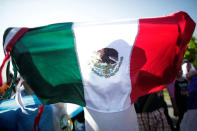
<point>186,67</point>
<point>189,122</point>
<point>181,94</point>
<point>150,113</point>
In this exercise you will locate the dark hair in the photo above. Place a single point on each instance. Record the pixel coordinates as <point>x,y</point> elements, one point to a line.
<point>185,61</point>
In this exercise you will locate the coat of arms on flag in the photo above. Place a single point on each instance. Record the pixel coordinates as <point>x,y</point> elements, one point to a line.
<point>106,63</point>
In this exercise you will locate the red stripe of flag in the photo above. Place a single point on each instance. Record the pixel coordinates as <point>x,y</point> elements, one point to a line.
<point>158,52</point>
<point>6,59</point>
<point>16,37</point>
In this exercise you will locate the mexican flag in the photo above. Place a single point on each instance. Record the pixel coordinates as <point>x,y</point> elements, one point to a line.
<point>104,66</point>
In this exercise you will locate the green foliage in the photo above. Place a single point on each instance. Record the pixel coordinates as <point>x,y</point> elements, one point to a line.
<point>191,52</point>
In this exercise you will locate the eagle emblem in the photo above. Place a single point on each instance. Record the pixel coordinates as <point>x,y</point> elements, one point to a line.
<point>106,62</point>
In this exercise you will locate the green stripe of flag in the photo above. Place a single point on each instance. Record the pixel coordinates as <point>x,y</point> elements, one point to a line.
<point>56,75</point>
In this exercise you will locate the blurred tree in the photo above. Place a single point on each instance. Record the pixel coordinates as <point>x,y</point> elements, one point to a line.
<point>191,52</point>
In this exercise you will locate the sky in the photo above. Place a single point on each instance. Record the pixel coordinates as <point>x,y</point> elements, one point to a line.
<point>34,13</point>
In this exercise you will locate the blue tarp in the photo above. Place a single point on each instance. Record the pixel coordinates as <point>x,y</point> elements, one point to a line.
<point>13,119</point>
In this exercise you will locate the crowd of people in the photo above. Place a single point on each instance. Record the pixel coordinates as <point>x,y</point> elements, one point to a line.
<point>152,110</point>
